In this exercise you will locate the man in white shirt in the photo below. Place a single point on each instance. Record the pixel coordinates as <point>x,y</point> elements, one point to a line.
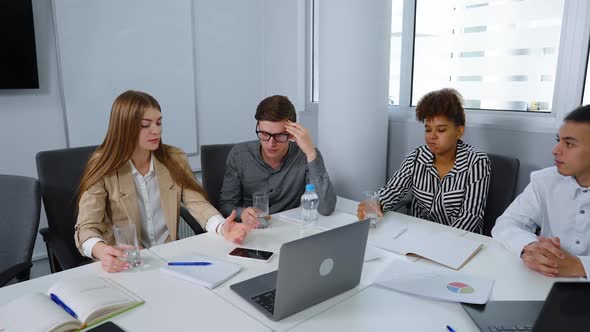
<point>558,201</point>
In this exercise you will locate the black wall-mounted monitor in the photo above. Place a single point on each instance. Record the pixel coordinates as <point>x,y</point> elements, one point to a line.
<point>18,55</point>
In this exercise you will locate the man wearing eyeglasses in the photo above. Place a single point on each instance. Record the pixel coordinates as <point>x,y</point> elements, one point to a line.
<point>281,162</point>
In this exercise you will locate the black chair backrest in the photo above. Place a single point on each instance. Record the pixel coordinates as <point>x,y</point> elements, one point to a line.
<point>213,159</point>
<point>20,206</point>
<point>60,172</point>
<point>503,178</point>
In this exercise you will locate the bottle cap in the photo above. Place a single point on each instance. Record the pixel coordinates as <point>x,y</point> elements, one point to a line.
<point>310,187</point>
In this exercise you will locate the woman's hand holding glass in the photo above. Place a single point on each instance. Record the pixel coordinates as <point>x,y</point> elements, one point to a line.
<point>369,208</point>
<point>111,258</point>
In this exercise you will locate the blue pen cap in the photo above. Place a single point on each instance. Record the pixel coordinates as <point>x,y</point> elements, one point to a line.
<point>310,187</point>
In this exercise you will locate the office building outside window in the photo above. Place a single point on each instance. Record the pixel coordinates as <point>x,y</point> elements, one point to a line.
<point>500,55</point>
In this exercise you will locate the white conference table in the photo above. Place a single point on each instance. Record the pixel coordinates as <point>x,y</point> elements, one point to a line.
<point>169,305</point>
<point>380,309</point>
<point>174,304</point>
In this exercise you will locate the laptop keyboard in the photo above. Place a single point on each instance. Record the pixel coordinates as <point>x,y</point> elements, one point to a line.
<point>517,328</point>
<point>266,300</point>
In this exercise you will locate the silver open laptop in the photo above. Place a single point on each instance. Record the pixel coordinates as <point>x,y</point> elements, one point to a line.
<point>311,270</point>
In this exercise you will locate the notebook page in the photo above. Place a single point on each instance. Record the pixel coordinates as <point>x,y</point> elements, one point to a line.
<point>35,312</point>
<point>209,276</point>
<point>447,249</point>
<point>442,247</point>
<point>86,295</point>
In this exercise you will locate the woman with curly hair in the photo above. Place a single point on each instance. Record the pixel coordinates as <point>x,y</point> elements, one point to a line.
<point>448,179</point>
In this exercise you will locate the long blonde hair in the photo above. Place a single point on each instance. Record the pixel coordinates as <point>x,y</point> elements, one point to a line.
<point>121,140</point>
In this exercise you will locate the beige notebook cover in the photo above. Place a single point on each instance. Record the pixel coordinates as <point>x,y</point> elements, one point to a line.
<point>442,247</point>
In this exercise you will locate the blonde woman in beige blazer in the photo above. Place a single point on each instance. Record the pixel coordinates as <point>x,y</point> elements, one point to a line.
<point>124,178</point>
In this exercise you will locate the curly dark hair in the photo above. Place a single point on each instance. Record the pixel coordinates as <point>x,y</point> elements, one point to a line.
<point>446,102</point>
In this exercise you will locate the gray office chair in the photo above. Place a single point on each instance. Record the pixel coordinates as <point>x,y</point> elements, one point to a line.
<point>60,172</point>
<point>503,179</point>
<point>20,206</point>
<point>191,221</point>
<point>213,159</point>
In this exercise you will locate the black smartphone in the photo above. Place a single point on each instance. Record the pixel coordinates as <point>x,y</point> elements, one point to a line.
<point>107,327</point>
<point>255,254</point>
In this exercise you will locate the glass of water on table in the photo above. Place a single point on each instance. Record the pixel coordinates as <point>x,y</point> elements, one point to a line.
<point>260,204</point>
<point>127,241</point>
<point>370,198</point>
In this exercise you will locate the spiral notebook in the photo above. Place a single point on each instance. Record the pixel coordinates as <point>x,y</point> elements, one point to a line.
<point>210,276</point>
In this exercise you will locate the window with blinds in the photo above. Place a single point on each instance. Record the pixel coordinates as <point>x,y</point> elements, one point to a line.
<point>500,55</point>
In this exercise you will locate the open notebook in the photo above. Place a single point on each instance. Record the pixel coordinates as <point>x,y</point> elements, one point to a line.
<point>209,276</point>
<point>69,305</point>
<point>442,247</point>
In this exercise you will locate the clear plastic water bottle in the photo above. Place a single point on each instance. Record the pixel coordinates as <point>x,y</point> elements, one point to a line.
<point>309,205</point>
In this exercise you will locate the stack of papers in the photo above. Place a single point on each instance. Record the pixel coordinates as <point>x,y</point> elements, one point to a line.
<point>437,284</point>
<point>208,275</point>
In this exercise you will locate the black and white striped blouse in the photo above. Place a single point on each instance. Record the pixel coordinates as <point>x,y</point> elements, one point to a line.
<point>458,200</point>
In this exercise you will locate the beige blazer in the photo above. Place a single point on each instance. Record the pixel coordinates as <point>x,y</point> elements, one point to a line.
<point>113,200</point>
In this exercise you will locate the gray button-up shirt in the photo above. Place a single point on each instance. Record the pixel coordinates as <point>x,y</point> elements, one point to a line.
<point>247,173</point>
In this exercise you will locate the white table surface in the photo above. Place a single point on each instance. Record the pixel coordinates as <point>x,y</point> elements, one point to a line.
<point>380,309</point>
<point>169,305</point>
<point>174,304</point>
<point>270,239</point>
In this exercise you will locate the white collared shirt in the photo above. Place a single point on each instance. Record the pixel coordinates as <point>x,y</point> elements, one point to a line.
<point>154,230</point>
<point>556,203</point>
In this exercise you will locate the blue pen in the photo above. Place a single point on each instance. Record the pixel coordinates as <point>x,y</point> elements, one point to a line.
<point>189,263</point>
<point>450,329</point>
<point>63,305</point>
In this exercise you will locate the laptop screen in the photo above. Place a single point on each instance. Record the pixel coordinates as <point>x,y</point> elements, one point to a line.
<point>567,308</point>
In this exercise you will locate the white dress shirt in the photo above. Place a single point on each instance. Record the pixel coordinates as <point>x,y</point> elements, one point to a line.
<point>557,204</point>
<point>154,230</point>
<point>153,226</point>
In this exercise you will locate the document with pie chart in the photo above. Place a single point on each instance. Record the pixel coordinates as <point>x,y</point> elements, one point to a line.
<point>435,283</point>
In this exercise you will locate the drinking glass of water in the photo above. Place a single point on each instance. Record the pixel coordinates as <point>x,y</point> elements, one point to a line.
<point>372,206</point>
<point>260,204</point>
<point>126,238</point>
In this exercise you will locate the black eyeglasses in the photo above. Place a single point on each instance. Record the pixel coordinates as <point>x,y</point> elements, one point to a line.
<point>280,137</point>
